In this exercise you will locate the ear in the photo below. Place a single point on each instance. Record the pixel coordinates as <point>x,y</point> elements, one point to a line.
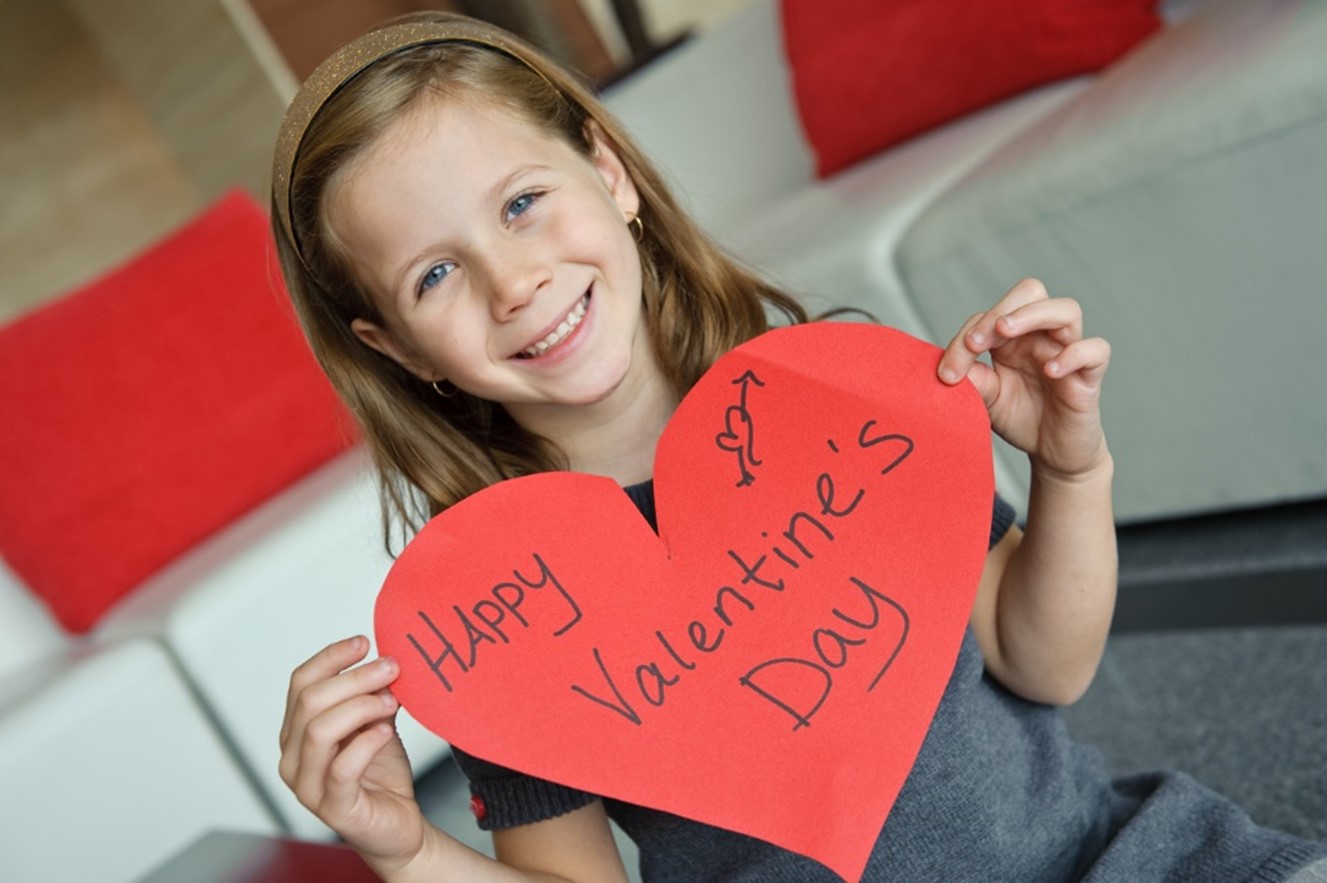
<point>611,168</point>
<point>378,338</point>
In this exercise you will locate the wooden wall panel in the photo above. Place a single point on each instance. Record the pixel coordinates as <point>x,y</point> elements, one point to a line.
<point>120,121</point>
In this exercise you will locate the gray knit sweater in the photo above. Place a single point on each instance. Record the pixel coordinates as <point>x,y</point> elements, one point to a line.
<point>998,793</point>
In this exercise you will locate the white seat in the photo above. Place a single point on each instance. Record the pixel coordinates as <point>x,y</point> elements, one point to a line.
<point>108,765</point>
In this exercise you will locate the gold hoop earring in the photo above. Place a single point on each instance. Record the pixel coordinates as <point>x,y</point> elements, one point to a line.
<point>438,389</point>
<point>637,228</point>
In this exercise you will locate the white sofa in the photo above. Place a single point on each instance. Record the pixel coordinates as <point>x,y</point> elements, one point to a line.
<point>120,747</point>
<point>1180,195</point>
<point>109,764</point>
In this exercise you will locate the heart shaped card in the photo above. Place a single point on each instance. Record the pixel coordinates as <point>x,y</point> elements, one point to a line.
<point>773,657</point>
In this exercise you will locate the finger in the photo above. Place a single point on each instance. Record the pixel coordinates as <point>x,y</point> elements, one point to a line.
<point>1061,318</point>
<point>318,698</point>
<point>323,739</point>
<point>329,661</point>
<point>981,333</point>
<point>957,359</point>
<point>315,699</point>
<point>1023,292</point>
<point>984,335</point>
<point>346,772</point>
<point>986,383</point>
<point>1088,359</point>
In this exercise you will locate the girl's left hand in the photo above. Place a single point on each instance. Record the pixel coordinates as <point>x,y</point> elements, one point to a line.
<point>1043,386</point>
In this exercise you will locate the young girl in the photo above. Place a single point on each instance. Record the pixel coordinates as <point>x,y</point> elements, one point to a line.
<point>498,282</point>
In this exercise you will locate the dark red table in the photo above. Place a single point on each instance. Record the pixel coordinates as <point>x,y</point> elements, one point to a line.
<point>228,857</point>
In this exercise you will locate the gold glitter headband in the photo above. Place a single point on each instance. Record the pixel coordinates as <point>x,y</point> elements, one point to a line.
<point>353,59</point>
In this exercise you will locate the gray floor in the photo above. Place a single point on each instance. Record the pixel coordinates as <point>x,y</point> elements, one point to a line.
<point>1244,711</point>
<point>1217,665</point>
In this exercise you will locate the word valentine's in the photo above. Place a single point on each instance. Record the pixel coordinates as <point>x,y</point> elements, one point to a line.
<point>861,625</point>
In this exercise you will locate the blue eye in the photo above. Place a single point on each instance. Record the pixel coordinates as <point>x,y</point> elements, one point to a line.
<point>519,206</point>
<point>433,275</point>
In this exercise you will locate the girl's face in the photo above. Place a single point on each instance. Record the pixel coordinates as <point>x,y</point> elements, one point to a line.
<point>499,257</point>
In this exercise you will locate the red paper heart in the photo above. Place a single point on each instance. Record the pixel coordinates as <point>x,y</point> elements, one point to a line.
<point>770,662</point>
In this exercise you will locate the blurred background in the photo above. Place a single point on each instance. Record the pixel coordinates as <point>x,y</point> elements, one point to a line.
<point>124,118</point>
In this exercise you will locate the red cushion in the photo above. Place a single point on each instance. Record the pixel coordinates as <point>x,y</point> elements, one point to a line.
<point>871,73</point>
<point>152,407</point>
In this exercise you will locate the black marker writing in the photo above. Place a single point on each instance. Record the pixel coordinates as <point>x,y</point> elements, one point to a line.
<point>739,431</point>
<point>490,620</point>
<point>799,685</point>
<point>620,705</point>
<point>629,687</point>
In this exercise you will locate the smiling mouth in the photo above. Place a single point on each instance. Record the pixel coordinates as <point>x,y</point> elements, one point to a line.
<point>560,333</point>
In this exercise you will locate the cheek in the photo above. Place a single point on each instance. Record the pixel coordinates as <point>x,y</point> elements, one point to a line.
<point>635,273</point>
<point>594,222</point>
<point>453,346</point>
<point>622,253</point>
<point>439,338</point>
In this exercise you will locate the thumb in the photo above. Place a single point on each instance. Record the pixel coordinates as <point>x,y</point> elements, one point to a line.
<point>985,380</point>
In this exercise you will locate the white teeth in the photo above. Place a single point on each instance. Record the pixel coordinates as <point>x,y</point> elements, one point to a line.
<point>558,334</point>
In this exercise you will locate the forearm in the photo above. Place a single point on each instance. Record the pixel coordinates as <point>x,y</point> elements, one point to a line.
<point>575,846</point>
<point>1057,593</point>
<point>443,858</point>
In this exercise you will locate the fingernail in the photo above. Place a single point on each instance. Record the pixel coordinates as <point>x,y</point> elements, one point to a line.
<point>948,375</point>
<point>1054,368</point>
<point>387,663</point>
<point>978,338</point>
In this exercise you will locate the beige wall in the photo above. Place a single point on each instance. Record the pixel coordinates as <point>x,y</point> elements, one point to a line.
<point>120,120</point>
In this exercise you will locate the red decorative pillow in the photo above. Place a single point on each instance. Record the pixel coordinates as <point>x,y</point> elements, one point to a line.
<point>871,73</point>
<point>152,407</point>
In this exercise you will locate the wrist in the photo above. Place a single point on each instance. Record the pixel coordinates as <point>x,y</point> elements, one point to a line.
<point>1099,470</point>
<point>402,869</point>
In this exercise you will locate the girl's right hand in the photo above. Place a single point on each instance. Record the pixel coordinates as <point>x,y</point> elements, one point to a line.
<point>341,755</point>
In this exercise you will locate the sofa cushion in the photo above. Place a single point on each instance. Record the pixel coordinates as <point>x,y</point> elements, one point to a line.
<point>151,407</point>
<point>1181,199</point>
<point>868,75</point>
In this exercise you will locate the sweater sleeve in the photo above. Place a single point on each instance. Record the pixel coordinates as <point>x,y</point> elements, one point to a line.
<point>503,798</point>
<point>1001,520</point>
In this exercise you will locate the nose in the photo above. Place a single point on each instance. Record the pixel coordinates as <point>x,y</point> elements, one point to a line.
<point>516,277</point>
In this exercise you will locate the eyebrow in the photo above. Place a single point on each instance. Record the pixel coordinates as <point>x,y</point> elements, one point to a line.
<point>494,194</point>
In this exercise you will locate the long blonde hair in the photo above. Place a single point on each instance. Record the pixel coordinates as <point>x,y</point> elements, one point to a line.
<point>431,451</point>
